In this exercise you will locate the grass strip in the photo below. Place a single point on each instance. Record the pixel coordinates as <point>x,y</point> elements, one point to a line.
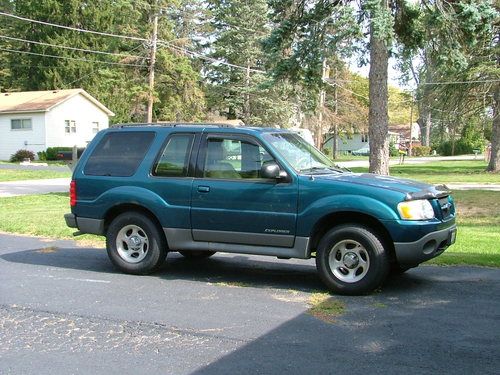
<point>25,174</point>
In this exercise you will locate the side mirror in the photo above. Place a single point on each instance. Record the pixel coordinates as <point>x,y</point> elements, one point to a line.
<point>271,170</point>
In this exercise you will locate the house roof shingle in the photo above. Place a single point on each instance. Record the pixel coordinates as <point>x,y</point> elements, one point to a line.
<point>42,101</point>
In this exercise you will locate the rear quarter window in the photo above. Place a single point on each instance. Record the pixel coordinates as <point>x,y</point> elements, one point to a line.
<point>119,154</point>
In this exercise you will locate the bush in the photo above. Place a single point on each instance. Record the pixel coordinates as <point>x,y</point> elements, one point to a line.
<point>462,147</point>
<point>42,155</point>
<point>51,152</point>
<point>393,150</point>
<point>21,155</point>
<point>421,151</point>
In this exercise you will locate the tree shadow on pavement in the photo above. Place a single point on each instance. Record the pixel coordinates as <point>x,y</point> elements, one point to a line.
<point>232,270</point>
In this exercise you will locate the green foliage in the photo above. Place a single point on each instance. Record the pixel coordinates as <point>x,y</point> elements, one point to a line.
<point>123,89</point>
<point>471,139</point>
<point>393,150</point>
<point>306,33</point>
<point>421,150</point>
<point>461,147</point>
<point>21,155</point>
<point>42,155</point>
<point>239,28</point>
<point>51,152</point>
<point>381,20</point>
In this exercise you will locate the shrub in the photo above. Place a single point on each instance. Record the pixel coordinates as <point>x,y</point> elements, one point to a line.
<point>462,147</point>
<point>21,155</point>
<point>51,152</point>
<point>421,151</point>
<point>393,150</point>
<point>42,155</point>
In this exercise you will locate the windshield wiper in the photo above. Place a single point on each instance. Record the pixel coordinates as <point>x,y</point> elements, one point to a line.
<point>325,168</point>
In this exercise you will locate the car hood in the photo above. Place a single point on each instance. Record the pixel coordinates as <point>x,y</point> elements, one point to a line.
<point>412,189</point>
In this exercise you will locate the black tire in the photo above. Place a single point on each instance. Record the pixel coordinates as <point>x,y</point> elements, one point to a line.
<point>363,266</point>
<point>197,254</point>
<point>124,251</point>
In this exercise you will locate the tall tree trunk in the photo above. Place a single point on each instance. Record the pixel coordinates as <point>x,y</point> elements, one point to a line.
<point>335,120</point>
<point>378,118</point>
<point>494,164</point>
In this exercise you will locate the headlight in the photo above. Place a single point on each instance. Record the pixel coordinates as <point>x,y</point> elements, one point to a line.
<point>416,210</point>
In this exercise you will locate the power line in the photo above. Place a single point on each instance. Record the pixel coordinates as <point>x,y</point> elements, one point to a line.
<point>333,84</point>
<point>166,43</point>
<point>70,48</point>
<point>208,58</point>
<point>461,82</point>
<point>69,58</point>
<point>74,28</point>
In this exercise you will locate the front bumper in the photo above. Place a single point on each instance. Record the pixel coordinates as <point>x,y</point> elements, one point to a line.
<point>85,224</point>
<point>411,254</point>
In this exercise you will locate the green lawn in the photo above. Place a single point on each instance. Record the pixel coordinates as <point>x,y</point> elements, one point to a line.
<point>40,215</point>
<point>23,174</point>
<point>472,171</point>
<point>478,239</point>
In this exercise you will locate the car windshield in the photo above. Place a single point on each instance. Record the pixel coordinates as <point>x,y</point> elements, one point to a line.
<point>302,156</point>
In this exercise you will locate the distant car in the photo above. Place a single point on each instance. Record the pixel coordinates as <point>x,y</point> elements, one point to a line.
<point>363,151</point>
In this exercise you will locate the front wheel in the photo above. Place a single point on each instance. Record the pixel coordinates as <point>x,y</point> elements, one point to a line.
<point>135,244</point>
<point>351,260</point>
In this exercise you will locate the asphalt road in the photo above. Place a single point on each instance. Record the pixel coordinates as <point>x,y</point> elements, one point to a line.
<point>64,310</point>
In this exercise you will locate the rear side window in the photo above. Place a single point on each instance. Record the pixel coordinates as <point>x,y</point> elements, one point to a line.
<point>119,154</point>
<point>174,160</point>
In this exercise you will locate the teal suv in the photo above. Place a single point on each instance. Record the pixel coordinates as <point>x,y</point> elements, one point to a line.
<point>201,189</point>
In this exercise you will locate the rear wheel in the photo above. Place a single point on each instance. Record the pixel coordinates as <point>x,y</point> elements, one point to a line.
<point>351,260</point>
<point>135,244</point>
<point>197,254</point>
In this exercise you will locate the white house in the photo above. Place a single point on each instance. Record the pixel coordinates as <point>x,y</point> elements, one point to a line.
<point>36,120</point>
<point>398,134</point>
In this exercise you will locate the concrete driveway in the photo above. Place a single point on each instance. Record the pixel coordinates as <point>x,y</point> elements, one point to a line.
<point>14,188</point>
<point>65,310</point>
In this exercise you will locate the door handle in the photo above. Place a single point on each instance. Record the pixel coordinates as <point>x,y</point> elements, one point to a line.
<point>203,189</point>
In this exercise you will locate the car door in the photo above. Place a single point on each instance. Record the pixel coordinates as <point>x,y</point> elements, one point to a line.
<point>232,203</point>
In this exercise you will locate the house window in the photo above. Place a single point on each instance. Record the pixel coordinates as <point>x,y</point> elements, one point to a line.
<point>69,126</point>
<point>21,124</point>
<point>364,138</point>
<point>95,127</point>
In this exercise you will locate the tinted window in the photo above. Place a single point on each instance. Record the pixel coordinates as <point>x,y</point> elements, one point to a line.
<point>234,159</point>
<point>119,154</point>
<point>174,160</point>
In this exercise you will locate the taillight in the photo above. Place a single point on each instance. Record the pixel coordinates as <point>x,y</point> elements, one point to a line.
<point>72,193</point>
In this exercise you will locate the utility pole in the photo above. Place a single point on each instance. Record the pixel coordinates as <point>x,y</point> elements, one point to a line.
<point>322,98</point>
<point>246,103</point>
<point>152,61</point>
<point>411,129</point>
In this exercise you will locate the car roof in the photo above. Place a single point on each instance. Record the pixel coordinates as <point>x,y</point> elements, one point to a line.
<point>197,127</point>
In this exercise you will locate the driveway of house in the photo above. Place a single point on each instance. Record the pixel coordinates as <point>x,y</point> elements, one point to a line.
<point>53,185</point>
<point>65,310</point>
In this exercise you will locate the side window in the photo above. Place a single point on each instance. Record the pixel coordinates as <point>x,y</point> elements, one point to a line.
<point>174,160</point>
<point>21,124</point>
<point>234,159</point>
<point>119,154</point>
